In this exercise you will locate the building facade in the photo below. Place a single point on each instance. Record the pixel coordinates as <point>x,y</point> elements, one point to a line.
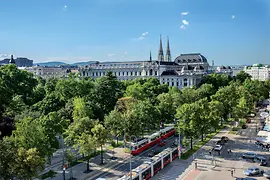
<point>20,62</point>
<point>186,70</point>
<point>258,71</point>
<point>48,72</point>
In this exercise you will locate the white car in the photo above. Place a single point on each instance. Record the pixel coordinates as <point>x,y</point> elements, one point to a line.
<point>218,148</point>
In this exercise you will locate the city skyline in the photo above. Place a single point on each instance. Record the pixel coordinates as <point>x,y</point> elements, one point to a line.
<point>228,32</point>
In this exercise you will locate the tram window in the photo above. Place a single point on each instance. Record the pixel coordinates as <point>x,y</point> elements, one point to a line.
<point>174,152</point>
<point>166,158</point>
<point>157,165</point>
<point>146,173</point>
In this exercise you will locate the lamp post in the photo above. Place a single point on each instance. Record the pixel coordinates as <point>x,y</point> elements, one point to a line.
<point>130,157</point>
<point>179,141</point>
<point>63,165</point>
<point>250,135</point>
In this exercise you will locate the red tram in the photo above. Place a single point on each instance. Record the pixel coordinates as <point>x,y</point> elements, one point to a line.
<point>151,140</point>
<point>149,168</point>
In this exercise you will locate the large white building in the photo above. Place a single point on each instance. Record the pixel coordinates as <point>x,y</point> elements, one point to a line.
<point>48,72</point>
<point>186,70</point>
<point>258,71</point>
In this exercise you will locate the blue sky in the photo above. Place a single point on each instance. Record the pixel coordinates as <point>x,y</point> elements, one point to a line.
<point>226,31</point>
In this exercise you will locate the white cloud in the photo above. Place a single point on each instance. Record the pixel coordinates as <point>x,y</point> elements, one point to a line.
<point>185,22</point>
<point>141,37</point>
<point>183,27</point>
<point>184,13</point>
<point>5,55</point>
<point>144,34</point>
<point>233,16</point>
<point>110,55</point>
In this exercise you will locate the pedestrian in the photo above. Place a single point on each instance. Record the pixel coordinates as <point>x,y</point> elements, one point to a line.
<point>196,164</point>
<point>218,152</point>
<point>210,153</point>
<point>232,172</point>
<point>228,150</point>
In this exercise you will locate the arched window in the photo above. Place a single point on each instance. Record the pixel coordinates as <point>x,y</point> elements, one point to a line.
<point>151,72</point>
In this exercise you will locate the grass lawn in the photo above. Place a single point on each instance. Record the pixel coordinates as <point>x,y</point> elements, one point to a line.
<point>198,145</point>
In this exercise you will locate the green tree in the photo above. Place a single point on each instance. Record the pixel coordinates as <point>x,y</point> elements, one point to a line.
<point>49,104</point>
<point>228,96</point>
<point>216,111</point>
<point>187,121</point>
<point>73,86</point>
<point>114,123</point>
<point>166,107</point>
<point>27,163</point>
<point>217,80</point>
<point>240,110</point>
<point>189,95</point>
<point>107,91</point>
<point>206,90</point>
<point>29,134</point>
<point>80,109</point>
<point>100,134</point>
<point>146,114</point>
<point>242,76</point>
<point>80,136</point>
<point>15,82</point>
<point>7,154</point>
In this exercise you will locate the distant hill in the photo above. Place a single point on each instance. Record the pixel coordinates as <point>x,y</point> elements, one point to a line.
<point>55,63</point>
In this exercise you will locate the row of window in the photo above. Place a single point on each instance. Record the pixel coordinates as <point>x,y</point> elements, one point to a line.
<point>128,73</point>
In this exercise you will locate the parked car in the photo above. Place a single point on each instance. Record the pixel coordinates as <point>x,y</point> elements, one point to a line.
<point>218,148</point>
<point>162,143</point>
<point>249,155</point>
<point>261,160</point>
<point>267,174</point>
<point>253,171</point>
<point>224,138</point>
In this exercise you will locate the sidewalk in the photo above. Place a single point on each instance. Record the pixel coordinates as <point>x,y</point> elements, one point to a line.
<point>78,171</point>
<point>185,169</point>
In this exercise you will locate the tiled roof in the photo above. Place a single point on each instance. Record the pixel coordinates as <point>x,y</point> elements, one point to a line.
<point>190,58</point>
<point>169,72</point>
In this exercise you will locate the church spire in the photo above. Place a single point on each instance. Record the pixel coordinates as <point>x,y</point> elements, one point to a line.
<point>160,52</point>
<point>168,52</point>
<point>150,56</point>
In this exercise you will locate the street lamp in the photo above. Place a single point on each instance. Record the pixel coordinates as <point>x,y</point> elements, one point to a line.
<point>179,141</point>
<point>130,157</point>
<point>250,135</point>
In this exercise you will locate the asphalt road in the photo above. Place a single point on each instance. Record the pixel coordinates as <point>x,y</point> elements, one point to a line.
<point>124,168</point>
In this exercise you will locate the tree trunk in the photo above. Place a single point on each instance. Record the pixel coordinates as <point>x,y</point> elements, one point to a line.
<point>101,155</point>
<point>202,135</point>
<point>87,165</point>
<point>117,140</point>
<point>191,143</point>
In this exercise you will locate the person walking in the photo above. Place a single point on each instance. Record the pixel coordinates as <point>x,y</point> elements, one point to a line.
<point>196,165</point>
<point>232,172</point>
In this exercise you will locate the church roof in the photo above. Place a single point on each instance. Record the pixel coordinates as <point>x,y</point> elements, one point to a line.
<point>190,58</point>
<point>167,63</point>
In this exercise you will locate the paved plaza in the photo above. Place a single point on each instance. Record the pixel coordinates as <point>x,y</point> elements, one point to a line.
<point>218,166</point>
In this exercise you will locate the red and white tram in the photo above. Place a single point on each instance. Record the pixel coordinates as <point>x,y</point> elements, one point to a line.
<point>147,142</point>
<point>149,168</point>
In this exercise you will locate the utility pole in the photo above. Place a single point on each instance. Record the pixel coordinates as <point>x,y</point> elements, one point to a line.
<point>130,162</point>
